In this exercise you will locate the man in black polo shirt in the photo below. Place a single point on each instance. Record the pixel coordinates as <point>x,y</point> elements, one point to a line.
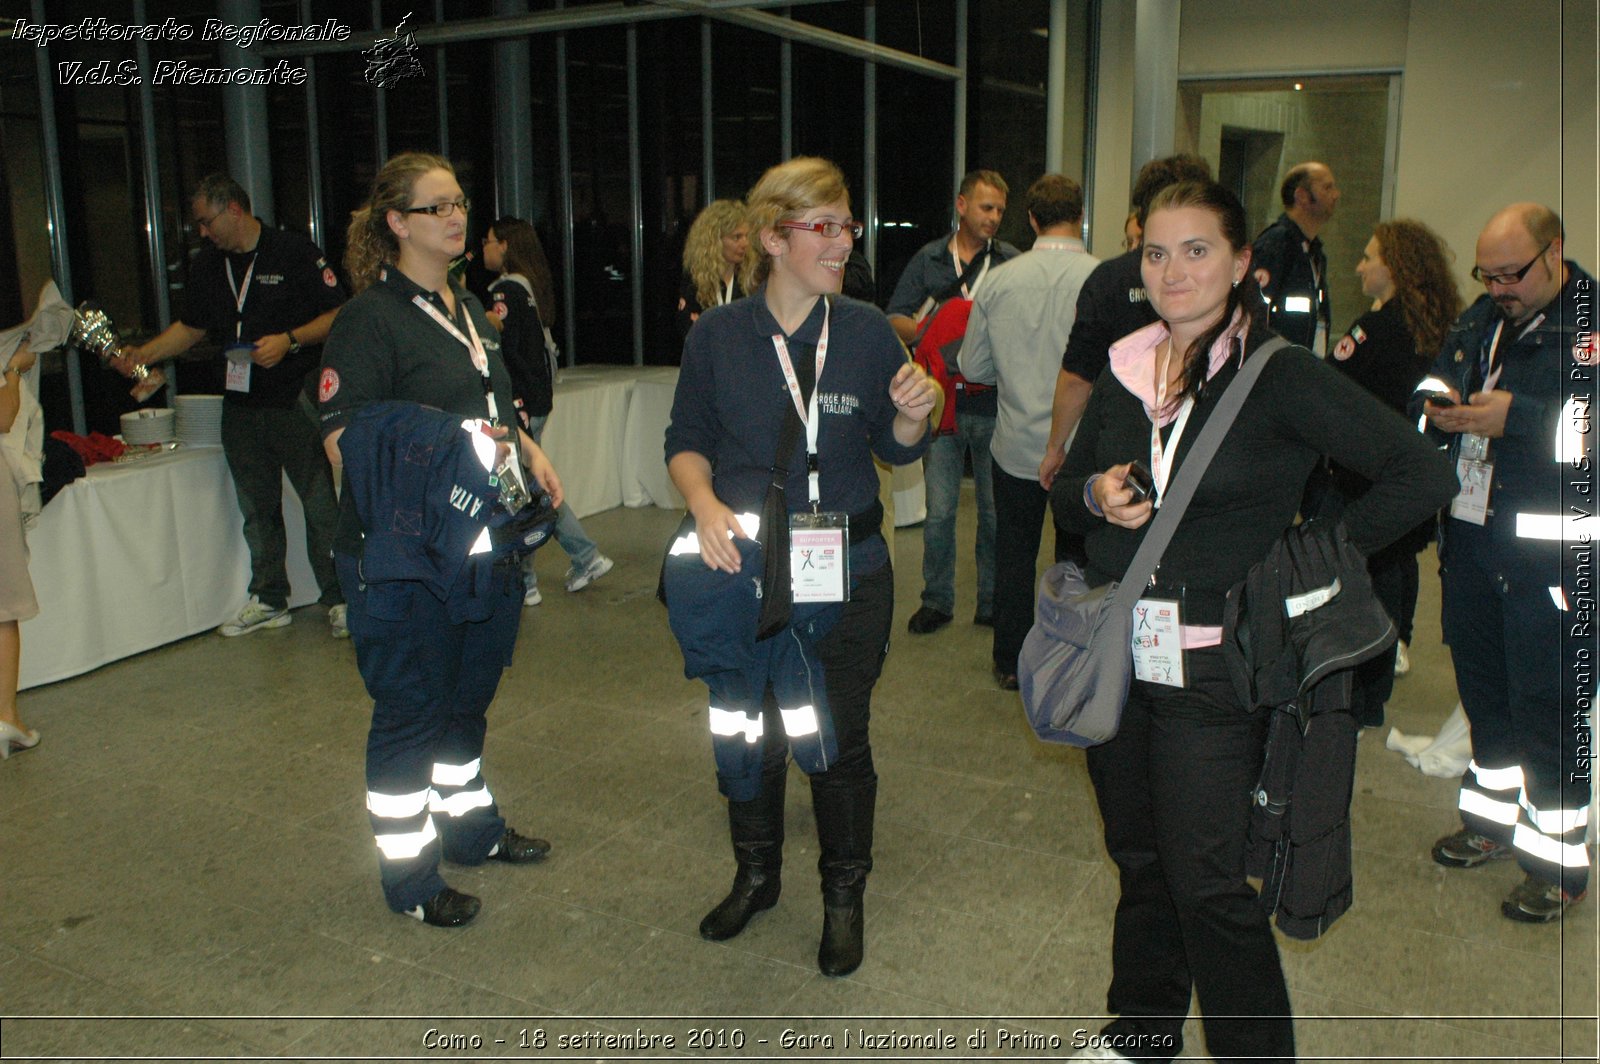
<point>269,297</point>
<point>1288,260</point>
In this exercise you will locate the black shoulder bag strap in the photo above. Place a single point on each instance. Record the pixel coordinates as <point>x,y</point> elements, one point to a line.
<point>777,592</point>
<point>1183,486</point>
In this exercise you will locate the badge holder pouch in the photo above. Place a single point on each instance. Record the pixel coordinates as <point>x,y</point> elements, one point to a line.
<point>819,556</point>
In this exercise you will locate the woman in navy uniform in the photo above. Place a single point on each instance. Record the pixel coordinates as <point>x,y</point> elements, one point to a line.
<point>795,343</point>
<point>431,666</point>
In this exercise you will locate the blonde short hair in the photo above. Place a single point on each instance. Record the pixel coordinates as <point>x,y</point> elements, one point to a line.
<point>785,192</point>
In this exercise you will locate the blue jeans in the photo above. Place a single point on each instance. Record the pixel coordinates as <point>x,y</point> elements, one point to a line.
<point>941,472</point>
<point>569,530</point>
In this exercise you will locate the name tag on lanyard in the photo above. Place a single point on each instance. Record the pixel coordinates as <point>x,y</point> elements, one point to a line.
<point>239,352</point>
<point>819,541</point>
<point>1158,642</point>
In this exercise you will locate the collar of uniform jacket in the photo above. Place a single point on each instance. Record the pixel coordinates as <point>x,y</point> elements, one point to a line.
<point>765,325</point>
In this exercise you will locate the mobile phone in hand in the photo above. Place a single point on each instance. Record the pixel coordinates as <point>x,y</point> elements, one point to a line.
<point>1139,482</point>
<point>1441,400</point>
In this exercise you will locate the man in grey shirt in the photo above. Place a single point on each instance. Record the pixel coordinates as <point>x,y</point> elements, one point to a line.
<point>1020,323</point>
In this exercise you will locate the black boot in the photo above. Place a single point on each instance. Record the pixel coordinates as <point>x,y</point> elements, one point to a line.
<point>757,830</point>
<point>844,828</point>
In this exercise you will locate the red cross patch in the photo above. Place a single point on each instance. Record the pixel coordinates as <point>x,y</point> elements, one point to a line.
<point>328,385</point>
<point>328,278</point>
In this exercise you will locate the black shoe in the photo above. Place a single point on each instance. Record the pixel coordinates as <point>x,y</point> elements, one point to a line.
<point>518,849</point>
<point>751,894</point>
<point>843,920</point>
<point>983,619</point>
<point>927,619</point>
<point>448,908</point>
<point>1006,680</point>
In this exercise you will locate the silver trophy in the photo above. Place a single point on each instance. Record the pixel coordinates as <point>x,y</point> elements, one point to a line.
<point>92,331</point>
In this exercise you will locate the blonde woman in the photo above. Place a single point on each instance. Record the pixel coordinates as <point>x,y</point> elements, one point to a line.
<point>713,254</point>
<point>431,666</point>
<point>748,367</point>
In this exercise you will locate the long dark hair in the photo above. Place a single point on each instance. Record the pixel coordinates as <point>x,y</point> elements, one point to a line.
<point>1244,296</point>
<point>1419,264</point>
<point>525,255</point>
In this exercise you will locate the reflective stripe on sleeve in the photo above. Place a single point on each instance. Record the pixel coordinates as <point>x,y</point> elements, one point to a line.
<point>689,542</point>
<point>732,722</point>
<point>1559,597</point>
<point>800,721</point>
<point>1560,527</point>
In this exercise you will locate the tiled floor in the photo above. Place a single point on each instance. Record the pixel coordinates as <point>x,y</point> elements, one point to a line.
<point>188,872</point>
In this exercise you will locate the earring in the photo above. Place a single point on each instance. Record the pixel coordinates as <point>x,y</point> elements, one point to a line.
<point>1236,284</point>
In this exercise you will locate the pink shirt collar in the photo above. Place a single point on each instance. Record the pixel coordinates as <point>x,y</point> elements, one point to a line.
<point>1133,362</point>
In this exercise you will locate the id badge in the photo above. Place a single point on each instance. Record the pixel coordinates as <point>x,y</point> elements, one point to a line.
<point>819,557</point>
<point>239,364</point>
<point>1158,642</point>
<point>1472,502</point>
<point>1474,448</point>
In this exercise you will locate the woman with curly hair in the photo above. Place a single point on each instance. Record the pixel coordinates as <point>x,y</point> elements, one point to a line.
<point>1405,270</point>
<point>712,257</point>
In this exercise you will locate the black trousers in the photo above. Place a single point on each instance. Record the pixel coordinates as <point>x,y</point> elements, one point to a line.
<point>1174,793</point>
<point>1019,512</point>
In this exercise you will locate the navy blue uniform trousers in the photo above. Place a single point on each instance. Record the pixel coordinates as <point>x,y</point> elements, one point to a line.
<point>431,680</point>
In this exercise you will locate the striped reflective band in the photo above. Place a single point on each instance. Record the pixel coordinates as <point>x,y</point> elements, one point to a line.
<point>800,721</point>
<point>456,775</point>
<point>1559,597</point>
<point>460,803</point>
<point>1556,821</point>
<point>402,846</point>
<point>732,722</point>
<point>1565,854</point>
<point>397,806</point>
<point>1480,804</point>
<point>689,542</point>
<point>1569,528</point>
<point>1497,779</point>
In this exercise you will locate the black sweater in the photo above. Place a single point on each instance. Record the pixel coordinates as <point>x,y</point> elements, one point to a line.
<point>1299,410</point>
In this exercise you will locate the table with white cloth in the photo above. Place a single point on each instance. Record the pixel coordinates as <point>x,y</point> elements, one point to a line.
<point>137,554</point>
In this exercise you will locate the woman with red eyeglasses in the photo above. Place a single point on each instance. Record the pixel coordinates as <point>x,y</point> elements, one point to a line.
<point>795,349</point>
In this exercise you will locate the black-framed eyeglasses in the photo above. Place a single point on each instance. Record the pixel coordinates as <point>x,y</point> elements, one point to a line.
<point>442,210</point>
<point>206,223</point>
<point>1505,279</point>
<point>827,229</point>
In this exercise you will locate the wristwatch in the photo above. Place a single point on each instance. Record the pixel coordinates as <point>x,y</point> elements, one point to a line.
<point>294,345</point>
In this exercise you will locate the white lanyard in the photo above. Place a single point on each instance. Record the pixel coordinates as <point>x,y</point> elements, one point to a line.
<point>972,293</point>
<point>1159,471</point>
<point>727,294</point>
<point>474,346</point>
<point>1492,377</point>
<point>240,292</point>
<point>810,417</point>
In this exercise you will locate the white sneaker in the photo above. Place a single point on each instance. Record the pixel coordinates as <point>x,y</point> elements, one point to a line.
<point>531,597</point>
<point>337,621</point>
<point>578,579</point>
<point>1402,660</point>
<point>254,615</point>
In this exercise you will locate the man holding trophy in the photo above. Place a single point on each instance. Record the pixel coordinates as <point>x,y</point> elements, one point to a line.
<point>270,297</point>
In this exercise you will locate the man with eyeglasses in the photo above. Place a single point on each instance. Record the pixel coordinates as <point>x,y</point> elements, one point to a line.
<point>1511,395</point>
<point>1289,262</point>
<point>947,269</point>
<point>269,298</point>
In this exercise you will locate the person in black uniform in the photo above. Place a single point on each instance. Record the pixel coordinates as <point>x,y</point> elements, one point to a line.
<point>1111,305</point>
<point>794,341</point>
<point>431,666</point>
<point>1288,260</point>
<point>1405,270</point>
<point>270,297</point>
<point>1173,785</point>
<point>713,254</point>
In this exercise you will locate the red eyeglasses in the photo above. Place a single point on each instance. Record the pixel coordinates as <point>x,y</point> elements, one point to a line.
<point>827,229</point>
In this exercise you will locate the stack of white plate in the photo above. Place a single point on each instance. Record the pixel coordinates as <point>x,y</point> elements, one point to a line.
<point>151,425</point>
<point>200,420</point>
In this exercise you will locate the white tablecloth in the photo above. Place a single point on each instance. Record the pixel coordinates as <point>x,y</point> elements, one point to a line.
<point>138,554</point>
<point>644,467</point>
<point>584,435</point>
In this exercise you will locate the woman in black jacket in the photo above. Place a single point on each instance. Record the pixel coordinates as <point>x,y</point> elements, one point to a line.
<point>1173,785</point>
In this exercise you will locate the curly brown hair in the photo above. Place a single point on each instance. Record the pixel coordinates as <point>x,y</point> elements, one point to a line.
<point>1419,263</point>
<point>369,243</point>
